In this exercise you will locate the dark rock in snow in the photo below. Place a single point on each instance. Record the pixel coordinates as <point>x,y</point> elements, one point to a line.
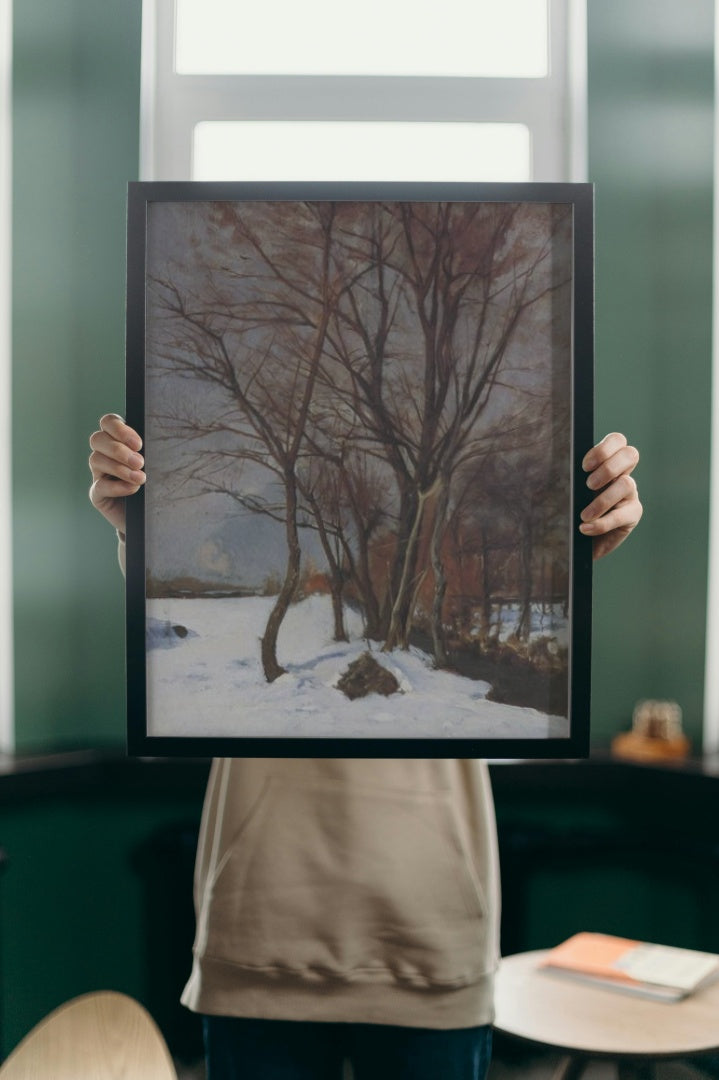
<point>162,634</point>
<point>366,676</point>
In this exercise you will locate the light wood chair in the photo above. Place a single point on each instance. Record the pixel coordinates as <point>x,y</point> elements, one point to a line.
<point>99,1036</point>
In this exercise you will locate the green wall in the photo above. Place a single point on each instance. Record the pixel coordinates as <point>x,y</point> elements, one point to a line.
<point>75,899</point>
<point>76,88</point>
<point>97,890</point>
<point>75,146</point>
<point>650,156</point>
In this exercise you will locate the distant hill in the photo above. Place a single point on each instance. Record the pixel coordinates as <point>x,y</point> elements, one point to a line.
<point>189,587</point>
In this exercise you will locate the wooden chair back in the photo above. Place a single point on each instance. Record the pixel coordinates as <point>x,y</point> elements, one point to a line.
<point>98,1036</point>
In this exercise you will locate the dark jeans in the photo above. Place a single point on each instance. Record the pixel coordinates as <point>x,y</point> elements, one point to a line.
<point>239,1049</point>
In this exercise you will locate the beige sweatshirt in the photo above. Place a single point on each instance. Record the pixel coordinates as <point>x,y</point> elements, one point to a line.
<point>347,890</point>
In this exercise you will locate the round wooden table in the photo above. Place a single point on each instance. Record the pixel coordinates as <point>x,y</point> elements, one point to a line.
<point>588,1022</point>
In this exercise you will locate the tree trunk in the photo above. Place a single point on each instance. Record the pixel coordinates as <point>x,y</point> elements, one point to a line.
<point>336,576</point>
<point>270,665</point>
<point>486,616</point>
<point>363,581</point>
<point>400,623</point>
<point>406,519</point>
<point>340,632</point>
<point>546,600</point>
<point>525,577</point>
<point>439,644</point>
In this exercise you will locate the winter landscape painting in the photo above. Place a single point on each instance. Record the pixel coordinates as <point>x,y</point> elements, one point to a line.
<point>359,417</point>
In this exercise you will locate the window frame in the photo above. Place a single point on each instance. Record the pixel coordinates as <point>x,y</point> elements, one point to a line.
<point>710,727</point>
<point>7,720</point>
<point>553,107</point>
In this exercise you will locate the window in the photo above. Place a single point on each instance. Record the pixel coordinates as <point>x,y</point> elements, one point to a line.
<point>403,38</point>
<point>710,741</point>
<point>491,91</point>
<point>6,613</point>
<point>359,150</point>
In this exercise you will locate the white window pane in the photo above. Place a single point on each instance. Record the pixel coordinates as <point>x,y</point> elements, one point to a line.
<point>373,37</point>
<point>284,150</point>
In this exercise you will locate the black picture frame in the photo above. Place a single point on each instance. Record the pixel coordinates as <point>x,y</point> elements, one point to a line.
<point>365,337</point>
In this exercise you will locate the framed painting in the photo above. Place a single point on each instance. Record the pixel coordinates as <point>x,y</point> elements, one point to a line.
<point>364,408</point>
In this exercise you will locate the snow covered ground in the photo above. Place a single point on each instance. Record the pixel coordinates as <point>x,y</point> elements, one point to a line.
<point>209,682</point>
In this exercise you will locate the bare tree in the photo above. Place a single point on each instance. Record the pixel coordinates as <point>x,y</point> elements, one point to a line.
<point>265,386</point>
<point>421,338</point>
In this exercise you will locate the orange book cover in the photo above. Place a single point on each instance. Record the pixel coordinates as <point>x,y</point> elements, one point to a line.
<point>661,971</point>
<point>592,954</point>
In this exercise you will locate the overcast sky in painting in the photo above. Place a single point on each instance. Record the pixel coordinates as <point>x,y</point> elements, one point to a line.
<point>211,536</point>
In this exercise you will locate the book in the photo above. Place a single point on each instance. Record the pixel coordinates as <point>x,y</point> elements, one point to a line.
<point>660,972</point>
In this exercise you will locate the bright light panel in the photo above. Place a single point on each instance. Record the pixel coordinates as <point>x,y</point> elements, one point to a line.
<point>315,150</point>
<point>490,38</point>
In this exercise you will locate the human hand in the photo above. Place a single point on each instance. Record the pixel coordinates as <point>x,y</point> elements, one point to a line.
<point>116,467</point>
<point>616,510</point>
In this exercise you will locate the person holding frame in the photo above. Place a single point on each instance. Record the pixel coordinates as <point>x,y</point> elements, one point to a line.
<point>349,908</point>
